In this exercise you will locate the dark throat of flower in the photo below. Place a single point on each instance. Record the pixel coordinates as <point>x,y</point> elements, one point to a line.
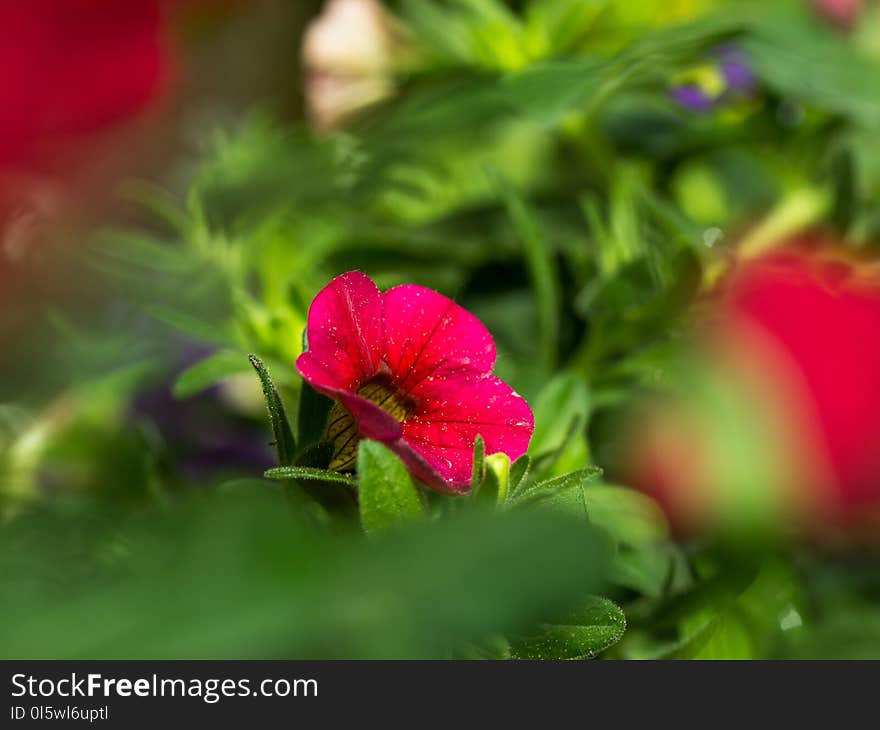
<point>342,431</point>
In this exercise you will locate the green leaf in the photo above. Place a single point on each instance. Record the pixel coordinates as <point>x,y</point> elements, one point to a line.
<point>208,372</point>
<point>648,568</point>
<point>592,629</point>
<point>563,404</point>
<point>497,483</point>
<point>479,468</point>
<point>561,413</point>
<point>284,442</point>
<point>643,560</point>
<point>309,474</point>
<point>199,329</point>
<point>493,649</point>
<point>799,58</point>
<point>720,635</point>
<point>297,593</point>
<point>629,516</point>
<point>519,469</point>
<point>541,265</point>
<point>565,491</point>
<point>388,495</point>
<point>549,90</point>
<point>243,486</point>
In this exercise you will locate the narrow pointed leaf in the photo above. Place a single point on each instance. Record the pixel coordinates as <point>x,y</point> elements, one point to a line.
<point>519,469</point>
<point>308,474</point>
<point>284,442</point>
<point>479,468</point>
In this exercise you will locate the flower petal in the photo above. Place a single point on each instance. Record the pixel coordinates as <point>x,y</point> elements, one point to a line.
<point>448,420</point>
<point>373,422</point>
<point>345,335</point>
<point>422,469</point>
<point>428,336</point>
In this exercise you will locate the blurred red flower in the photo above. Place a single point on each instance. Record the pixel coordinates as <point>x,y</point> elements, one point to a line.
<point>824,315</point>
<point>73,67</point>
<point>795,344</point>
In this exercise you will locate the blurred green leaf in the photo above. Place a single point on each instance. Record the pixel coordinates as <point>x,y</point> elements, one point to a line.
<point>561,409</point>
<point>199,329</point>
<point>717,636</point>
<point>811,62</point>
<point>629,516</point>
<point>542,269</point>
<point>236,577</point>
<point>208,372</point>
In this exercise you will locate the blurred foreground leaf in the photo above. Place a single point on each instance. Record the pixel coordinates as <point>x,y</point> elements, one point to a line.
<point>208,372</point>
<point>236,577</point>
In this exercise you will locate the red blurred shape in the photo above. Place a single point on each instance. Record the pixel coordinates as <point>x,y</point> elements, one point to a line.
<point>71,67</point>
<point>842,13</point>
<point>824,313</point>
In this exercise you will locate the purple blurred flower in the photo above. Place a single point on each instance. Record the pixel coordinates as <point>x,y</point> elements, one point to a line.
<point>692,97</point>
<point>204,437</point>
<point>736,70</point>
<point>726,76</point>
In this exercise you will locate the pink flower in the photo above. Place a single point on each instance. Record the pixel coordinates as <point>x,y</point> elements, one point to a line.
<point>412,369</point>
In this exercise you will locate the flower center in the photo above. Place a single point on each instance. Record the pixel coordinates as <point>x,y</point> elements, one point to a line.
<point>342,432</point>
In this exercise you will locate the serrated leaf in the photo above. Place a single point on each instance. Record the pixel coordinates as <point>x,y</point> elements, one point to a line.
<point>309,474</point>
<point>208,372</point>
<point>562,490</point>
<point>589,631</point>
<point>388,494</point>
<point>285,445</point>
